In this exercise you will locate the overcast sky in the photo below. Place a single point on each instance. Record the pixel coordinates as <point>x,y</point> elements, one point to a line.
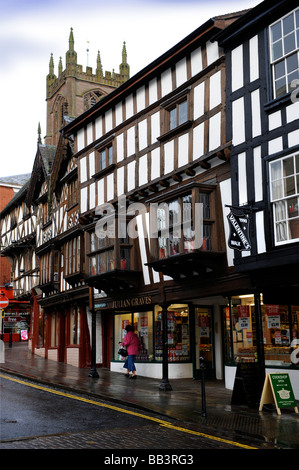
<point>30,30</point>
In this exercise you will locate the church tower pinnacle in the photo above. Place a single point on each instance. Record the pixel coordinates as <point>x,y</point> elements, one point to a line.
<point>74,90</point>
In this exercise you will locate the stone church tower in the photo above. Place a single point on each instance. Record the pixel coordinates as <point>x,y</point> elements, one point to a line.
<point>74,91</point>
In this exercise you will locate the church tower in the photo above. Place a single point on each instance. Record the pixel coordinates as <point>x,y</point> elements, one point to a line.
<point>74,91</point>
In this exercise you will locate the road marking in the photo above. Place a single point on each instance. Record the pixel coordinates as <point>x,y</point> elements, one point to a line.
<point>132,413</point>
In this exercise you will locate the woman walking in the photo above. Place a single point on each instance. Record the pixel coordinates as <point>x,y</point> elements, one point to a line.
<point>131,342</point>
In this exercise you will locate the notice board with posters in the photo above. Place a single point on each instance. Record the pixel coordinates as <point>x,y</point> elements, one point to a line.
<point>278,390</point>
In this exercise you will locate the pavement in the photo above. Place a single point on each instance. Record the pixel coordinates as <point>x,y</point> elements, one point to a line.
<point>184,403</point>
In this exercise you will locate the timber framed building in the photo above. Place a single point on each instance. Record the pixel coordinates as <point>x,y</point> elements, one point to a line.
<point>157,209</point>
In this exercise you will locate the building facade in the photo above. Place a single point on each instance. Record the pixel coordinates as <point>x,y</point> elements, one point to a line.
<point>262,57</point>
<point>154,152</point>
<point>163,206</point>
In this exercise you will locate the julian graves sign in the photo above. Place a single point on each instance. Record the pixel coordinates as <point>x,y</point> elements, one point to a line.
<point>239,232</point>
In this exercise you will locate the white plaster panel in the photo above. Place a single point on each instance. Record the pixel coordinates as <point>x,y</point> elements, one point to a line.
<point>169,156</point>
<point>155,163</point>
<point>199,96</point>
<point>143,173</point>
<point>155,127</point>
<point>181,72</point>
<point>237,68</point>
<point>166,82</point>
<point>183,144</point>
<point>238,121</point>
<point>196,61</point>
<point>152,90</point>
<point>142,134</point>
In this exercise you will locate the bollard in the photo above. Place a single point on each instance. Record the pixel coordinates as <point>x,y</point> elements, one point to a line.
<point>203,390</point>
<point>10,339</point>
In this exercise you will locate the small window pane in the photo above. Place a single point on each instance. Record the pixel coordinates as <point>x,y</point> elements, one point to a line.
<point>288,24</point>
<point>277,50</point>
<point>280,87</point>
<point>276,32</point>
<point>172,119</point>
<point>182,112</point>
<point>289,43</point>
<point>279,69</point>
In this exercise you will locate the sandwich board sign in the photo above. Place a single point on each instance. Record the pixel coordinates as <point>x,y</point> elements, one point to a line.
<point>278,390</point>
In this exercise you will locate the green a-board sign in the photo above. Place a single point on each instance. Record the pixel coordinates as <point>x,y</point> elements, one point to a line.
<point>278,389</point>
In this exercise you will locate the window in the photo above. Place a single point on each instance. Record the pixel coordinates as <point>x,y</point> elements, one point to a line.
<point>107,254</point>
<point>178,115</point>
<point>106,157</point>
<point>175,225</point>
<point>72,193</point>
<point>148,326</point>
<point>72,257</point>
<point>284,189</point>
<point>75,326</point>
<point>280,328</point>
<point>284,43</point>
<point>178,333</point>
<point>101,256</point>
<point>54,330</point>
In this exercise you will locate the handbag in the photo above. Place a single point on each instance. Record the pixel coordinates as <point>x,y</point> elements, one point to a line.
<point>122,351</point>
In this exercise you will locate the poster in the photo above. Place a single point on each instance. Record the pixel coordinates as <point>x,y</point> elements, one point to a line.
<point>244,316</point>
<point>273,316</point>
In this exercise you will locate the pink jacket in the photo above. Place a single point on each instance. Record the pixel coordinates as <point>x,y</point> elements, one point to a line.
<point>131,342</point>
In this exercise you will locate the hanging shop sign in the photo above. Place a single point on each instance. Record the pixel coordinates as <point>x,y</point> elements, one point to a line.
<point>278,390</point>
<point>239,232</point>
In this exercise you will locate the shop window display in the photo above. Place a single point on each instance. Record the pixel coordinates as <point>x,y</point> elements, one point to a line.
<point>178,333</point>
<point>280,328</point>
<point>148,327</point>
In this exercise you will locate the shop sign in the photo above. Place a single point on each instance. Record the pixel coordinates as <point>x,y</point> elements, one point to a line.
<point>278,389</point>
<point>133,302</point>
<point>239,232</point>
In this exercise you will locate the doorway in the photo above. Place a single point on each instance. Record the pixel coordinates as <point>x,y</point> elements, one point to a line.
<point>204,342</point>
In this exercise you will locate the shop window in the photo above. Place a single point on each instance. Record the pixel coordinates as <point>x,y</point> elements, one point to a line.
<point>41,330</point>
<point>143,327</point>
<point>178,333</point>
<point>148,327</point>
<point>280,328</point>
<point>74,330</point>
<point>54,330</point>
<point>284,192</point>
<point>284,52</point>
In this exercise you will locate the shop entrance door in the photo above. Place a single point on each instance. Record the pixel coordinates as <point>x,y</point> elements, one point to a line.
<point>204,345</point>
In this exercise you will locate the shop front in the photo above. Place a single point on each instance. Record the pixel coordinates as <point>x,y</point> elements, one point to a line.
<point>280,333</point>
<point>189,337</point>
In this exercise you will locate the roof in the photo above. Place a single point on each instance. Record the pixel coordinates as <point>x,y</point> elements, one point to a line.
<point>257,18</point>
<point>18,180</point>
